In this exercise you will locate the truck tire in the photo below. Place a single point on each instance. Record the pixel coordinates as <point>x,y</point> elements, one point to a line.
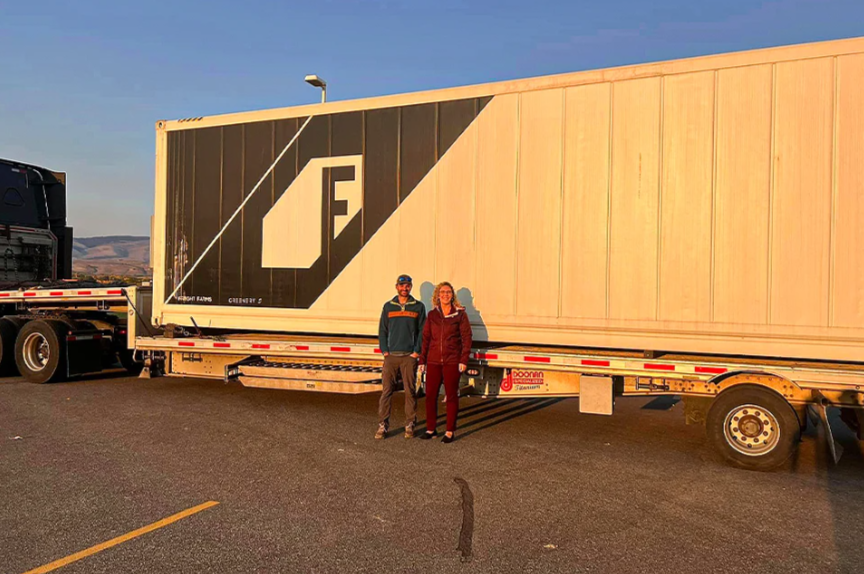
<point>40,351</point>
<point>753,428</point>
<point>8,333</point>
<point>127,359</point>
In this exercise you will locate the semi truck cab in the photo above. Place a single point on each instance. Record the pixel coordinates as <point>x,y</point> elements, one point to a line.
<point>35,242</point>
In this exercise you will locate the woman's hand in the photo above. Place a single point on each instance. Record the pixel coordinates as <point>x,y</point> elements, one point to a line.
<point>462,367</point>
<point>421,369</point>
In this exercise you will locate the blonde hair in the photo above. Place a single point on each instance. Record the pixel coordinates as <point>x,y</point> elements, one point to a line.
<point>436,299</point>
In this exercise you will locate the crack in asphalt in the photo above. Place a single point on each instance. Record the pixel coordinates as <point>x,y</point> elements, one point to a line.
<point>466,534</point>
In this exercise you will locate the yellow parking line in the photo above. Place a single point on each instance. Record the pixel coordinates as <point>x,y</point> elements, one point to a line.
<point>120,539</point>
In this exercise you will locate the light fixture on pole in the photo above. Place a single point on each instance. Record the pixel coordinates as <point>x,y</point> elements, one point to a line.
<point>314,80</point>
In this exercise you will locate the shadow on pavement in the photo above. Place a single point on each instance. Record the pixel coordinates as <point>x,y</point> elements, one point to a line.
<point>525,406</point>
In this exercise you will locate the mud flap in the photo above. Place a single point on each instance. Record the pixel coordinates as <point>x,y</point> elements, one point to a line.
<point>596,395</point>
<point>819,415</point>
<point>83,353</point>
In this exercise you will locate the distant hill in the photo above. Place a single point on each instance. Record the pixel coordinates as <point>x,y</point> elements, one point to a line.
<point>125,255</point>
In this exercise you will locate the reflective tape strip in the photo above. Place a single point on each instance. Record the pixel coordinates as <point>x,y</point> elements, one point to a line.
<point>659,367</point>
<point>558,360</point>
<point>711,370</point>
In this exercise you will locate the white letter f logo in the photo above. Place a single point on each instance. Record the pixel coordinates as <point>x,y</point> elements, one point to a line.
<point>293,228</point>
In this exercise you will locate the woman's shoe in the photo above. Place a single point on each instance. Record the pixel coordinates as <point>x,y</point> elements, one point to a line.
<point>427,435</point>
<point>448,438</point>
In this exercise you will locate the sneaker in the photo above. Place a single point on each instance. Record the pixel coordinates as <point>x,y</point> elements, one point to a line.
<point>409,431</point>
<point>381,433</point>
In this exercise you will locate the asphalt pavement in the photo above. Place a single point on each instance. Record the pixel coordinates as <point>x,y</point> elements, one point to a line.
<point>529,486</point>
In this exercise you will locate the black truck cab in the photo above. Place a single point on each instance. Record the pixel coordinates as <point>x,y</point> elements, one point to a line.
<point>33,208</point>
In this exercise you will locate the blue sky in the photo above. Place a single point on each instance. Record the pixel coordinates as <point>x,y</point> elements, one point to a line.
<point>83,82</point>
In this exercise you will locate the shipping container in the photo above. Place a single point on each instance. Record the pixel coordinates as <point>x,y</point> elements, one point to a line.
<point>705,205</point>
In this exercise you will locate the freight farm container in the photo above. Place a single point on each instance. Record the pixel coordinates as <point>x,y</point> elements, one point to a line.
<point>710,205</point>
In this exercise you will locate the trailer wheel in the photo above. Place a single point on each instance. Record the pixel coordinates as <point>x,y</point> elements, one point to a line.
<point>40,351</point>
<point>753,428</point>
<point>8,333</point>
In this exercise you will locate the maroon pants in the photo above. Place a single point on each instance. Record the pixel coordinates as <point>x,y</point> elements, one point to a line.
<point>435,375</point>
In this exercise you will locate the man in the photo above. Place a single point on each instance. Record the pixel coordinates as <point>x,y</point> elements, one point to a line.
<point>399,336</point>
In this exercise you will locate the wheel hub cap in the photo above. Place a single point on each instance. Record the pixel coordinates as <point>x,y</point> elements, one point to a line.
<point>37,352</point>
<point>751,430</point>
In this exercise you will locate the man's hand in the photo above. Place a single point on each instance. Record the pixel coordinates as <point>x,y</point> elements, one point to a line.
<point>415,355</point>
<point>462,367</point>
<point>385,353</point>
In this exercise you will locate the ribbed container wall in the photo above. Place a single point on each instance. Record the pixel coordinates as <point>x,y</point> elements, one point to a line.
<point>712,205</point>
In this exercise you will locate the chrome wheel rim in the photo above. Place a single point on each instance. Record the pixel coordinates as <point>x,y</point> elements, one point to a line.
<point>751,430</point>
<point>37,352</point>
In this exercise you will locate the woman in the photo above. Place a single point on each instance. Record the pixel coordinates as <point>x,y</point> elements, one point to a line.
<point>444,356</point>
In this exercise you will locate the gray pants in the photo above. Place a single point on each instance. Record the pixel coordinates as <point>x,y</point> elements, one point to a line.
<point>407,365</point>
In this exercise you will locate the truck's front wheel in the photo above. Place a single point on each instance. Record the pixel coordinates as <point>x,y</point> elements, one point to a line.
<point>40,351</point>
<point>753,427</point>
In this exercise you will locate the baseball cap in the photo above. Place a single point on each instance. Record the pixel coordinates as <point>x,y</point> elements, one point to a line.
<point>404,279</point>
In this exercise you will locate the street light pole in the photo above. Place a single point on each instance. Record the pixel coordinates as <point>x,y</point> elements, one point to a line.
<point>314,80</point>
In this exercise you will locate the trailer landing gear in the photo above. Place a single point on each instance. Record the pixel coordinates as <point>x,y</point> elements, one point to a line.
<point>153,366</point>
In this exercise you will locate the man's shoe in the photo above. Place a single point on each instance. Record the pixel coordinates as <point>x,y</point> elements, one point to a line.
<point>409,431</point>
<point>427,435</point>
<point>382,432</point>
<point>448,438</point>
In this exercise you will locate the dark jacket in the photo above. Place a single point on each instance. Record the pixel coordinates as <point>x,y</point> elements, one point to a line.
<point>446,340</point>
<point>401,326</point>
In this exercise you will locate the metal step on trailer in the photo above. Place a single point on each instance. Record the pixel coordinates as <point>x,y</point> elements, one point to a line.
<point>305,376</point>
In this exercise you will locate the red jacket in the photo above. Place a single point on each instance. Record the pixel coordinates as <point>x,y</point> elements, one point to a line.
<point>446,340</point>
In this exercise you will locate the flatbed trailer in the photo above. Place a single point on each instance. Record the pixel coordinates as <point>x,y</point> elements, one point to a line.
<point>754,409</point>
